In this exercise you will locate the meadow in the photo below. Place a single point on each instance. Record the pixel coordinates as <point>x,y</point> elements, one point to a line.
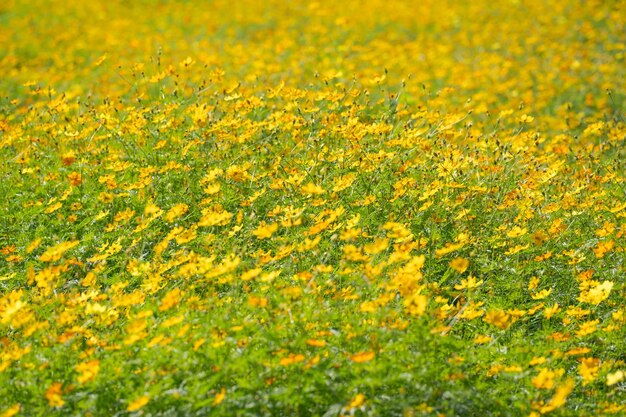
<point>283,208</point>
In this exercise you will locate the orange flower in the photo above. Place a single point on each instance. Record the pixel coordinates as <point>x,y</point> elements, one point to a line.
<point>363,357</point>
<point>316,343</point>
<point>53,395</point>
<point>75,178</point>
<point>291,359</point>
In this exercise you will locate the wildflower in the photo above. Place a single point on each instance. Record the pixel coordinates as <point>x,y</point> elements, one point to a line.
<point>537,360</point>
<point>548,312</point>
<point>171,299</point>
<point>415,304</point>
<point>257,301</point>
<point>214,217</point>
<point>10,304</point>
<point>363,357</point>
<point>356,402</point>
<point>524,119</point>
<point>534,282</point>
<point>517,232</point>
<point>250,274</point>
<point>11,411</point>
<point>138,403</point>
<point>482,339</point>
<point>498,318</point>
<point>87,371</point>
<point>175,212</point>
<point>607,229</point>
<point>614,378</point>
<point>75,178</point>
<point>587,328</point>
<point>33,245</point>
<point>377,246</point>
<point>588,369</point>
<point>291,359</point>
<point>219,397</point>
<point>311,189</point>
<point>68,158</point>
<point>459,265</point>
<point>559,398</point>
<point>603,248</point>
<point>469,283</point>
<point>264,230</point>
<point>53,395</point>
<point>541,294</point>
<point>54,253</point>
<point>595,294</point>
<point>316,342</point>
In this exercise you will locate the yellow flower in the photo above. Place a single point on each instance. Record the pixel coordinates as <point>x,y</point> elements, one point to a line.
<point>516,249</point>
<point>524,119</point>
<point>541,294</point>
<point>363,357</point>
<point>11,411</point>
<point>469,283</point>
<point>472,311</point>
<point>53,395</point>
<point>548,312</point>
<point>459,265</point>
<point>517,232</point>
<point>377,246</point>
<point>138,403</point>
<point>498,318</point>
<point>534,282</point>
<point>88,371</point>
<point>597,293</point>
<point>54,253</point>
<point>257,301</point>
<point>559,398</point>
<point>75,178</point>
<point>264,230</point>
<point>356,402</point>
<point>171,299</point>
<point>175,212</point>
<point>251,274</point>
<point>537,360</point>
<point>214,217</point>
<point>219,397</point>
<point>291,359</point>
<point>33,245</point>
<point>545,379</point>
<point>311,188</point>
<point>10,304</point>
<point>603,248</point>
<point>68,158</point>
<point>316,342</point>
<point>587,328</point>
<point>482,339</point>
<point>607,229</point>
<point>448,248</point>
<point>614,378</point>
<point>415,304</point>
<point>588,369</point>
<point>344,182</point>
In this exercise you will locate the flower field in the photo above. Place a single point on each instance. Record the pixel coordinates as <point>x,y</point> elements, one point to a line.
<point>283,208</point>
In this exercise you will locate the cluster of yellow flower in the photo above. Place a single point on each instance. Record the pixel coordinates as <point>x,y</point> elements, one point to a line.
<point>292,208</point>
